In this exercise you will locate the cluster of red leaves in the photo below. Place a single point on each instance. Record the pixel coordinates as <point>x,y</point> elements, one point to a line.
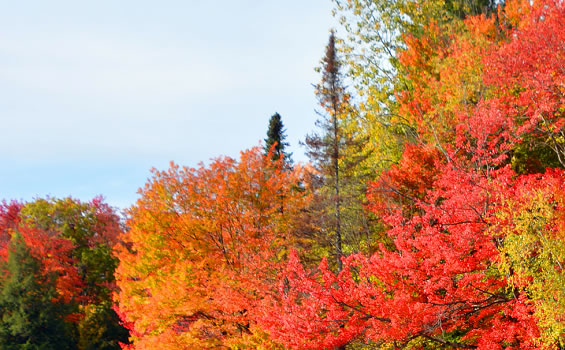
<point>9,220</point>
<point>55,253</point>
<point>406,183</point>
<point>106,226</point>
<point>529,74</point>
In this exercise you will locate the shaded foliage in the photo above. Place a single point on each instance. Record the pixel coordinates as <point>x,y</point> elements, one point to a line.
<point>32,314</point>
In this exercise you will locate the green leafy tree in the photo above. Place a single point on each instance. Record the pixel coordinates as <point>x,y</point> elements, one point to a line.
<point>276,136</point>
<point>30,318</point>
<point>101,329</point>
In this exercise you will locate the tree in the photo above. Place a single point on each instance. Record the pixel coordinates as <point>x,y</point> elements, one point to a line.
<point>276,136</point>
<point>339,181</point>
<point>527,72</point>
<point>53,252</point>
<point>203,249</point>
<point>92,227</point>
<point>74,242</point>
<point>530,228</point>
<point>33,315</point>
<point>377,32</point>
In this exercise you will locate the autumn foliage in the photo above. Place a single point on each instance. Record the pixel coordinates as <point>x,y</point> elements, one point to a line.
<point>472,252</point>
<point>461,227</point>
<point>72,243</point>
<point>476,259</point>
<point>203,249</point>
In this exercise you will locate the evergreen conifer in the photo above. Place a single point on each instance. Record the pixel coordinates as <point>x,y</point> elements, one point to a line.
<point>276,135</point>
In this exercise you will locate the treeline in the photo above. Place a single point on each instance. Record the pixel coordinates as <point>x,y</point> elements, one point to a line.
<point>431,215</point>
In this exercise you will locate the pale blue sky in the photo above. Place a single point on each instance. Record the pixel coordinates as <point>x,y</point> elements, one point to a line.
<point>95,93</point>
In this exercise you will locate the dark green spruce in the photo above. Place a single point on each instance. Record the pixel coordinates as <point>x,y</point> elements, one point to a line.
<point>276,135</point>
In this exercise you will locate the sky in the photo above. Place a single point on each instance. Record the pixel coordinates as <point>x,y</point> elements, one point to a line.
<point>93,94</point>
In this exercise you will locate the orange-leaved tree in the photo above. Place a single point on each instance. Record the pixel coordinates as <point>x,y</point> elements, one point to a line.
<point>203,249</point>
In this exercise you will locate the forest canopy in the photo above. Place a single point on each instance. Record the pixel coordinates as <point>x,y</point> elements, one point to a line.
<point>431,214</point>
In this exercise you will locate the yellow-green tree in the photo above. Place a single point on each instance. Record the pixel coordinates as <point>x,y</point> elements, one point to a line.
<point>529,226</point>
<point>378,31</point>
<point>336,151</point>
